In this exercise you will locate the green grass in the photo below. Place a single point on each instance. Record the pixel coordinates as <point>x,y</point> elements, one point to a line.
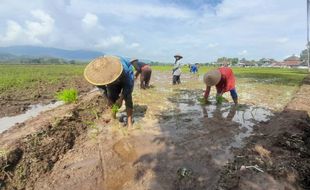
<point>17,77</point>
<point>29,76</point>
<point>282,76</point>
<point>67,95</point>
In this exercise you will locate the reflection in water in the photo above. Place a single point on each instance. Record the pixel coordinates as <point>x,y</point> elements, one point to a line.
<point>187,137</point>
<point>226,124</point>
<point>34,110</point>
<point>245,116</point>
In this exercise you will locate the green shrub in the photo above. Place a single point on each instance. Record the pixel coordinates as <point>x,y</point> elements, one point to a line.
<point>67,95</point>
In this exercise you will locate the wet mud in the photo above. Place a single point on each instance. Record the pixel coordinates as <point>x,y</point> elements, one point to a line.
<point>18,101</point>
<point>280,148</point>
<point>27,160</point>
<point>33,111</point>
<point>177,143</point>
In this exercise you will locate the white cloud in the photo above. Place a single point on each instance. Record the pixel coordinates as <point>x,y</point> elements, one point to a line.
<point>243,52</point>
<point>42,27</point>
<point>282,40</point>
<point>134,45</point>
<point>90,20</point>
<point>13,32</point>
<point>32,31</point>
<point>110,42</point>
<point>135,9</point>
<point>237,8</point>
<point>213,45</point>
<point>203,31</point>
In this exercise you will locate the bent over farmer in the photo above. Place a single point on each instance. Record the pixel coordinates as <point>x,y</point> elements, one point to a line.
<point>145,72</point>
<point>176,72</point>
<point>114,76</point>
<point>224,80</point>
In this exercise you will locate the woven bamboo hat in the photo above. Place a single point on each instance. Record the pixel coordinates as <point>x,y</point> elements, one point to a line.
<point>178,55</point>
<point>103,70</point>
<point>212,78</point>
<point>133,60</point>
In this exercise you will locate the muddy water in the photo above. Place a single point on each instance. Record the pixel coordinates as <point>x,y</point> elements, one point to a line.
<point>33,111</point>
<point>177,142</point>
<point>180,134</point>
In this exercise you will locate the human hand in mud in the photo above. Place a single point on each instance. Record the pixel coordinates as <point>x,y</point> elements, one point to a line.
<point>207,102</point>
<point>220,99</point>
<point>204,101</point>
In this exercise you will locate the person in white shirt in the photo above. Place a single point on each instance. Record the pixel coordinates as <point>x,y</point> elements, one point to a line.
<point>176,72</point>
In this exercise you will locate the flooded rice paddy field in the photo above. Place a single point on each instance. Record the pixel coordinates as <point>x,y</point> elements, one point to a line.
<point>176,143</point>
<point>182,144</point>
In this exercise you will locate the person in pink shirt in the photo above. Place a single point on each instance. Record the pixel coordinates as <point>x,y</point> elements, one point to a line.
<point>224,80</point>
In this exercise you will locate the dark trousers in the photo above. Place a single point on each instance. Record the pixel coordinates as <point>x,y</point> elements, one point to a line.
<point>176,79</point>
<point>112,93</point>
<point>145,77</point>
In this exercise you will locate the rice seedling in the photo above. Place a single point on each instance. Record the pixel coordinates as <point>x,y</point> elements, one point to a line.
<point>220,100</point>
<point>67,95</point>
<point>19,77</point>
<point>115,109</point>
<point>203,101</point>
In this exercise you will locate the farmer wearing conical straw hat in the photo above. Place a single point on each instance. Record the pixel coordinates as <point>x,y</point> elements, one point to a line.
<point>145,72</point>
<point>224,80</point>
<point>176,72</point>
<point>114,76</point>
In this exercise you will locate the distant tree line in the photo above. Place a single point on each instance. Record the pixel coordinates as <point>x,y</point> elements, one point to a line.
<point>41,60</point>
<point>304,55</point>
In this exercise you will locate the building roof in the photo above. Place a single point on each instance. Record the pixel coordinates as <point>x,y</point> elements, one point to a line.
<point>292,61</point>
<point>292,58</point>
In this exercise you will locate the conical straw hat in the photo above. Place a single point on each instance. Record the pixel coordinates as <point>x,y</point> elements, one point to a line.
<point>133,60</point>
<point>212,78</point>
<point>178,55</point>
<point>103,70</point>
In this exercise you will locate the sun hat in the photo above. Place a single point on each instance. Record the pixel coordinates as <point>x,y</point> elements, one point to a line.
<point>103,70</point>
<point>178,55</point>
<point>212,78</point>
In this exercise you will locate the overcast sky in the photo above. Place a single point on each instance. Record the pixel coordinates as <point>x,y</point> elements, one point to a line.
<point>200,30</point>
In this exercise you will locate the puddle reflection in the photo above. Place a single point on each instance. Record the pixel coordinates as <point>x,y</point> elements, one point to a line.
<point>34,110</point>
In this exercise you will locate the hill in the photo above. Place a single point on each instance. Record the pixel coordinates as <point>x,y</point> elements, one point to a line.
<point>12,52</point>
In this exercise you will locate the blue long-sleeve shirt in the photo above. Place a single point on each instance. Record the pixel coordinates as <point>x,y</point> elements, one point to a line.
<point>127,77</point>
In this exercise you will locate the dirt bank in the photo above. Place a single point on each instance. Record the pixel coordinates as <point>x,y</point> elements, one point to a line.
<point>17,101</point>
<point>280,147</point>
<point>27,157</point>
